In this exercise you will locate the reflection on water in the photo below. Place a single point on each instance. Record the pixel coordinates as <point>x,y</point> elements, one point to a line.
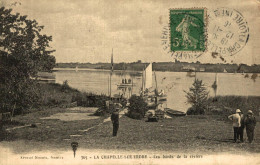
<point>173,83</point>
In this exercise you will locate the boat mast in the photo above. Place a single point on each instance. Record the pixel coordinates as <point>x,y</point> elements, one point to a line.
<point>155,83</point>
<point>108,86</point>
<point>112,67</point>
<point>143,77</point>
<point>216,80</point>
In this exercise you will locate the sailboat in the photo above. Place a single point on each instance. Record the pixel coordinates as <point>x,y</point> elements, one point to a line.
<point>215,86</point>
<point>152,96</point>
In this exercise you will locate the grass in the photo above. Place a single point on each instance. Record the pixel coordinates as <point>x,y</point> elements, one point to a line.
<point>201,134</point>
<point>56,94</point>
<point>62,95</point>
<point>48,133</point>
<point>237,102</point>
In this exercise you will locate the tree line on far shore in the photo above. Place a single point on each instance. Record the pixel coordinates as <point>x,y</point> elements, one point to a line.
<point>167,66</point>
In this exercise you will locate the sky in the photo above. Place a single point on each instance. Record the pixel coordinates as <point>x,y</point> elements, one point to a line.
<point>87,30</point>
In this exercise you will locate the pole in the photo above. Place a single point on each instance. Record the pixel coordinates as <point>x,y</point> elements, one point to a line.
<point>108,90</point>
<point>132,86</point>
<point>143,82</point>
<point>155,83</point>
<point>110,85</point>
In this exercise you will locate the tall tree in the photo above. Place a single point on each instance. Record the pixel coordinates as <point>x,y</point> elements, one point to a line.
<point>23,52</point>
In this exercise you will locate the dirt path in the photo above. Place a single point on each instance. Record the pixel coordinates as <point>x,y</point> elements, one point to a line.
<point>121,113</point>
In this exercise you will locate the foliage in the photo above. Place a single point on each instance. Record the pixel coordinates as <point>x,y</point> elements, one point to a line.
<point>197,97</point>
<point>228,104</point>
<point>23,52</point>
<point>138,107</point>
<point>65,86</point>
<point>165,66</point>
<point>90,100</point>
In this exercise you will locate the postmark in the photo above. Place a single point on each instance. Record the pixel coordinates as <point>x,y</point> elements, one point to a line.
<point>229,32</point>
<point>187,30</point>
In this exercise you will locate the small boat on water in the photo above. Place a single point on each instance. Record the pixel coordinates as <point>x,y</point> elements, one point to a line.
<point>191,74</point>
<point>45,77</point>
<point>173,113</point>
<point>162,98</point>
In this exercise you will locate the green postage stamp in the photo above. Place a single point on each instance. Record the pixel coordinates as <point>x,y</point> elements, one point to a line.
<point>187,29</point>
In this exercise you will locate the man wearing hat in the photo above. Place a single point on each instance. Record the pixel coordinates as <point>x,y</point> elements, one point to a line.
<point>236,123</point>
<point>250,123</point>
<point>115,121</point>
<point>242,126</point>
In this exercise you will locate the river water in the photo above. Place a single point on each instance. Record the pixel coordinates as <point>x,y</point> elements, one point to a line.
<point>173,83</point>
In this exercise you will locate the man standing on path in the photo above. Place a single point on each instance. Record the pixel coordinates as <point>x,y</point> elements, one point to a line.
<point>250,123</point>
<point>236,123</point>
<point>115,121</point>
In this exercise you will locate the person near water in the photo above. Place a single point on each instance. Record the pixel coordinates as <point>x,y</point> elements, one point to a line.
<point>115,121</point>
<point>241,128</point>
<point>236,123</point>
<point>250,123</point>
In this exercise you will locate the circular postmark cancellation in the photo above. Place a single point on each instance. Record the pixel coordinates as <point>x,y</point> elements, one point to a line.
<point>185,37</point>
<point>229,32</point>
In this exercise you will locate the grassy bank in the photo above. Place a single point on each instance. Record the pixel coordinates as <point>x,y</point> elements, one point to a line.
<point>190,134</point>
<point>62,95</point>
<point>228,104</point>
<point>193,134</point>
<point>47,134</point>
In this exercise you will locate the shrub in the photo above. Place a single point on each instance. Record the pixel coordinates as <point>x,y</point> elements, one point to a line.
<point>195,111</point>
<point>138,107</point>
<point>65,86</point>
<point>197,97</point>
<point>228,104</point>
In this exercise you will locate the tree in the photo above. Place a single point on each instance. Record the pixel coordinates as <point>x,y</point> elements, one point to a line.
<point>197,97</point>
<point>23,52</point>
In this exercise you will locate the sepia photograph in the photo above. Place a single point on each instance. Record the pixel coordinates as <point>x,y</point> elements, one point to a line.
<point>129,82</point>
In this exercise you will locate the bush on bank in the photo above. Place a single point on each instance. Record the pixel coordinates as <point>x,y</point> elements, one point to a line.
<point>197,96</point>
<point>225,105</point>
<point>138,107</point>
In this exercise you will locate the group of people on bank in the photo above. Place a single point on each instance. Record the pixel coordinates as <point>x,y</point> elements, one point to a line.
<point>240,122</point>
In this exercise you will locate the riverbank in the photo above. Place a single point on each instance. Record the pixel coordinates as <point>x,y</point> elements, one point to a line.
<point>207,134</point>
<point>225,105</point>
<point>53,95</point>
<point>195,134</point>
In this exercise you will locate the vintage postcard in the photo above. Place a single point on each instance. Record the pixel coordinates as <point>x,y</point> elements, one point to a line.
<point>129,82</point>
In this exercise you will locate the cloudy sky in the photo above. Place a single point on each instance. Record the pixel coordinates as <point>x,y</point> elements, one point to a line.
<point>87,30</point>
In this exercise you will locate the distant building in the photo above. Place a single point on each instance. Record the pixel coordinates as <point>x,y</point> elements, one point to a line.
<point>202,69</point>
<point>188,68</point>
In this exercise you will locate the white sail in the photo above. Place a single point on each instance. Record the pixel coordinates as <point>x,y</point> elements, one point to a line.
<point>148,77</point>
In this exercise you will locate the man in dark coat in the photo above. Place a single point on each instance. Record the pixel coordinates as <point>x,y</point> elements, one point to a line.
<point>250,123</point>
<point>115,121</point>
<point>241,128</point>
